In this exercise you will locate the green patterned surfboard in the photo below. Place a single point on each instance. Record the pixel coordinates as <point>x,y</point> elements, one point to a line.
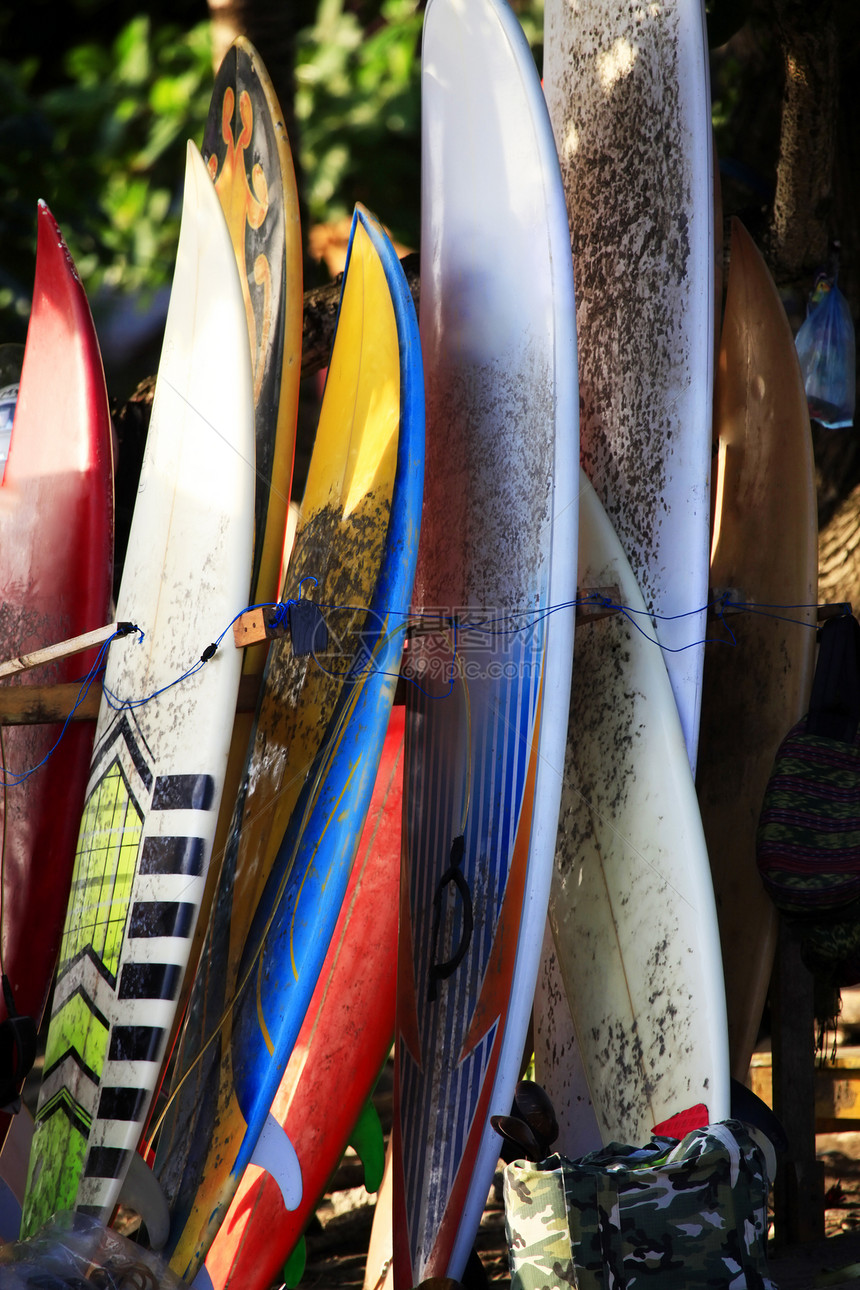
<point>158,764</point>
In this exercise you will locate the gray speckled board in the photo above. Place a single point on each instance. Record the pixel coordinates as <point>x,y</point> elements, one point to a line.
<point>627,89</point>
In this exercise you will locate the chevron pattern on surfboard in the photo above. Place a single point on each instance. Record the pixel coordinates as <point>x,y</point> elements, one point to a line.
<point>123,791</point>
<point>157,774</point>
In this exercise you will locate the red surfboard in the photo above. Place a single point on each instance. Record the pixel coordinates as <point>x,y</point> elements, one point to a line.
<point>343,1043</point>
<point>56,562</point>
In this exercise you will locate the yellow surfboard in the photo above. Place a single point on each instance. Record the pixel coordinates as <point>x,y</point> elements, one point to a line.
<point>318,734</point>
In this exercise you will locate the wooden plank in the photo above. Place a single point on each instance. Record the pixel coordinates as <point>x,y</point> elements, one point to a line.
<point>799,1185</point>
<point>32,705</point>
<point>64,649</point>
<point>837,1089</point>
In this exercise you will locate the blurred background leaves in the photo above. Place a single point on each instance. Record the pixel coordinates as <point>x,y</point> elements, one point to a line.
<point>97,101</point>
<point>103,143</point>
<point>98,98</point>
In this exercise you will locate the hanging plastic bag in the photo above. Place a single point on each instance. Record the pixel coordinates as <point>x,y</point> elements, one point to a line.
<point>76,1252</point>
<point>825,347</point>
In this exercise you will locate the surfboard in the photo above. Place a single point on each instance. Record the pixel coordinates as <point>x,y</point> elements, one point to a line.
<point>345,1038</point>
<point>378,1269</point>
<point>160,752</point>
<point>559,1068</point>
<point>56,566</point>
<point>14,1155</point>
<point>764,553</point>
<point>486,712</point>
<point>307,785</point>
<point>632,905</point>
<point>628,94</point>
<point>247,152</point>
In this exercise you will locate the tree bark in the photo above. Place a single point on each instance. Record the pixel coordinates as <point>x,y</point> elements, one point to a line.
<point>815,205</point>
<point>801,220</point>
<point>839,555</point>
<point>225,26</point>
<point>320,316</point>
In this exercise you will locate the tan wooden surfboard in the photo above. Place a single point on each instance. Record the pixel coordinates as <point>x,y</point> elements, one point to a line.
<point>764,552</point>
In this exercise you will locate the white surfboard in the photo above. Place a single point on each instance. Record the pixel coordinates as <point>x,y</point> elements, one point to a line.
<point>559,1068</point>
<point>484,754</point>
<point>632,905</point>
<point>157,769</point>
<point>628,94</point>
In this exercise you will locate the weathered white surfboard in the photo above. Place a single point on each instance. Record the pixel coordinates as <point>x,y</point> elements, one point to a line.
<point>632,904</point>
<point>485,723</point>
<point>559,1067</point>
<point>157,769</point>
<point>628,94</point>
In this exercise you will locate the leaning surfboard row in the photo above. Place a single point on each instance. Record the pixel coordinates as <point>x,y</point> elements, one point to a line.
<point>522,830</point>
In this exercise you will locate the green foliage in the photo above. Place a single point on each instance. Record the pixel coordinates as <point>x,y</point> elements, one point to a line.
<point>105,149</point>
<point>358,105</point>
<point>104,142</point>
<point>530,14</point>
<point>726,92</point>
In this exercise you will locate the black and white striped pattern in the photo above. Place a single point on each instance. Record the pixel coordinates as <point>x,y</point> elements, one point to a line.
<point>165,899</point>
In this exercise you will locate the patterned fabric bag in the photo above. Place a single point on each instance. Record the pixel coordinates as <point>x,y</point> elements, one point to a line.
<point>666,1216</point>
<point>808,845</point>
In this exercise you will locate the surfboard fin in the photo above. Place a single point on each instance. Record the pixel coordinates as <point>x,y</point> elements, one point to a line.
<point>142,1192</point>
<point>294,1268</point>
<point>683,1122</point>
<point>368,1142</point>
<point>276,1154</point>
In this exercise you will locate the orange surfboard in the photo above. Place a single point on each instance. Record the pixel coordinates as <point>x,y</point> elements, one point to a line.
<point>343,1043</point>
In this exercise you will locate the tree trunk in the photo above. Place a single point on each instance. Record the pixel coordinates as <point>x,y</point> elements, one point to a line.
<point>801,219</point>
<point>839,554</point>
<point>816,204</point>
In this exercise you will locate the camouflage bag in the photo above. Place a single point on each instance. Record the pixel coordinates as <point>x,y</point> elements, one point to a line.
<point>671,1215</point>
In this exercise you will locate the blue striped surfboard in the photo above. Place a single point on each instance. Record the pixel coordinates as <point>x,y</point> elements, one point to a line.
<point>487,713</point>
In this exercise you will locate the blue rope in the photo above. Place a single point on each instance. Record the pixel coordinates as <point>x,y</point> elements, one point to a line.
<point>504,625</point>
<point>11,779</point>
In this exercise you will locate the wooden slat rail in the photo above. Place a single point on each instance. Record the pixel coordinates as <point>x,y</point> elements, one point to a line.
<point>36,704</point>
<point>32,705</point>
